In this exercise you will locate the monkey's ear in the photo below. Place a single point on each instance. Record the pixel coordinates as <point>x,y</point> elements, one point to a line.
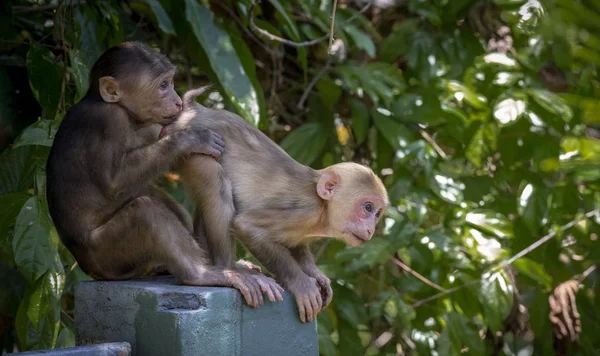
<point>109,89</point>
<point>327,184</point>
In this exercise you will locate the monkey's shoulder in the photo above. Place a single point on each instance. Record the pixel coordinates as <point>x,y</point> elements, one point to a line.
<point>94,116</point>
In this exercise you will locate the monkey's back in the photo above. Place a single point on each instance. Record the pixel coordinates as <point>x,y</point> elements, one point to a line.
<point>262,173</point>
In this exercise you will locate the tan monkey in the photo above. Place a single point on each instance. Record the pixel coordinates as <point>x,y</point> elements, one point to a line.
<point>275,205</point>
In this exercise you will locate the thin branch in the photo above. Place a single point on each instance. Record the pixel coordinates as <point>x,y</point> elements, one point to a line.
<point>273,37</point>
<point>312,83</point>
<point>417,274</point>
<point>546,238</point>
<point>434,144</point>
<point>332,26</point>
<point>522,253</point>
<point>586,273</point>
<point>448,291</point>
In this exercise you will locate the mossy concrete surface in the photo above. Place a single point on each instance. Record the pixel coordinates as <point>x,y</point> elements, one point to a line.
<point>159,317</point>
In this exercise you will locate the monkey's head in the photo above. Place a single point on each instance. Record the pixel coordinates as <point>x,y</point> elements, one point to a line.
<point>356,199</point>
<point>139,79</point>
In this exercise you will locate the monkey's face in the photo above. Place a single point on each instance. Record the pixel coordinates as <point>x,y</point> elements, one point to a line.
<point>356,200</point>
<point>155,102</point>
<point>355,221</point>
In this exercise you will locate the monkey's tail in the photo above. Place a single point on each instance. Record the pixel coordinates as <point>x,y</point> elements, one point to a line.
<point>189,96</point>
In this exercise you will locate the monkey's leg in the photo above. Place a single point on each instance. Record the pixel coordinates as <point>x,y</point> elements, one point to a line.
<point>212,191</point>
<point>306,260</point>
<point>147,233</point>
<point>279,260</point>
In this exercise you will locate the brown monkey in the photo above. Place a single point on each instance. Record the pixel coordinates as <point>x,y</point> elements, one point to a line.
<point>275,205</point>
<point>107,212</point>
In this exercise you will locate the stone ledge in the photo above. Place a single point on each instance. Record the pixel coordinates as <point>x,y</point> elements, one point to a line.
<point>159,317</point>
<point>109,349</point>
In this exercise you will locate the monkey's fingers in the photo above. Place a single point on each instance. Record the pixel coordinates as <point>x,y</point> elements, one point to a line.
<point>316,302</point>
<point>266,288</point>
<point>218,139</point>
<point>247,294</point>
<point>328,295</point>
<point>256,290</point>
<point>301,310</point>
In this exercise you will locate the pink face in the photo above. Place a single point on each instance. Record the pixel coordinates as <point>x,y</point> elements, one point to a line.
<point>363,218</point>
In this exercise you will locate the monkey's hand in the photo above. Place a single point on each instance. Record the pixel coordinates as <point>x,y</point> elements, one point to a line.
<point>308,297</point>
<point>247,285</point>
<point>249,265</point>
<point>324,287</point>
<point>197,139</point>
<point>268,285</point>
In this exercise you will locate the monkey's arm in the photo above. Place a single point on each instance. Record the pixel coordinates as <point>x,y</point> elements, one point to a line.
<point>306,261</point>
<point>279,260</point>
<point>121,168</point>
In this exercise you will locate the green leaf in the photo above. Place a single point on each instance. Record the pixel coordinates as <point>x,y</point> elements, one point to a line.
<point>490,222</point>
<point>365,256</point>
<point>45,78</point>
<point>45,295</point>
<point>399,40</point>
<point>552,103</point>
<point>457,334</point>
<point>164,22</point>
<point>35,241</point>
<point>66,338</point>
<point>41,133</point>
<point>80,72</point>
<point>17,167</point>
<point>361,39</point>
<point>496,297</point>
<point>329,92</point>
<point>533,204</point>
<point>306,143</point>
<point>10,206</point>
<point>533,270</point>
<point>478,101</point>
<point>394,132</point>
<point>482,144</point>
<point>360,119</point>
<point>224,61</point>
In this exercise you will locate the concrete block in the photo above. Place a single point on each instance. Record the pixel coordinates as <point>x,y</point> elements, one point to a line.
<point>159,317</point>
<point>109,349</point>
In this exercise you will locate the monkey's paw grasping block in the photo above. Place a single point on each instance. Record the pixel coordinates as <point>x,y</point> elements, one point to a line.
<point>159,317</point>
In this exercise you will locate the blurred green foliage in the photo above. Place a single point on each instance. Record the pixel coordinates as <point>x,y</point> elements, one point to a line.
<point>479,115</point>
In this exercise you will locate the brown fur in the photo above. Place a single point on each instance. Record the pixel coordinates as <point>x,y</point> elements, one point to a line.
<point>273,204</point>
<point>100,171</point>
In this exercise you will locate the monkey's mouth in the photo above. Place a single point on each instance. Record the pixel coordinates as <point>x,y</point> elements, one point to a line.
<point>358,238</point>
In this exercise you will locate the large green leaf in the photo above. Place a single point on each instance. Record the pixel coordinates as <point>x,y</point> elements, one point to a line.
<point>457,334</point>
<point>79,69</point>
<point>10,207</point>
<point>496,297</point>
<point>45,78</point>
<point>360,119</point>
<point>399,40</point>
<point>306,143</point>
<point>490,222</point>
<point>482,144</point>
<point>39,133</point>
<point>224,60</point>
<point>395,133</point>
<point>533,270</point>
<point>35,241</point>
<point>164,22</point>
<point>17,167</point>
<point>533,204</point>
<point>45,296</point>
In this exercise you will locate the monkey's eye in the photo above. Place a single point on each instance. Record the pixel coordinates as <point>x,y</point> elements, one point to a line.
<point>368,207</point>
<point>378,214</point>
<point>164,85</point>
